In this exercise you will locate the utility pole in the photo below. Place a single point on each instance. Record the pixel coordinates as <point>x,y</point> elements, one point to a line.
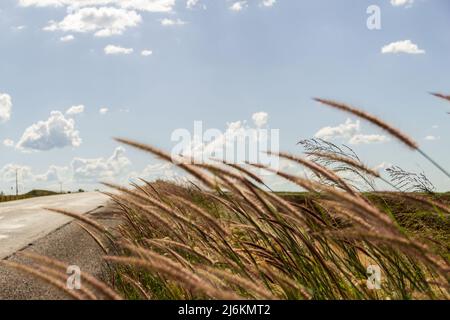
<point>17,184</point>
<point>60,187</point>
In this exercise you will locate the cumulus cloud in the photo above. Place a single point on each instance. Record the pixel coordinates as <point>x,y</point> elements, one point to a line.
<point>147,5</point>
<point>75,110</point>
<point>53,174</point>
<point>19,28</point>
<point>146,53</point>
<point>115,50</point>
<point>239,143</point>
<point>152,172</point>
<point>5,107</point>
<point>88,172</point>
<point>172,22</point>
<point>67,38</point>
<point>103,111</point>
<point>8,143</point>
<point>28,179</point>
<point>404,46</point>
<point>401,3</point>
<point>268,3</point>
<point>103,21</point>
<point>368,138</point>
<point>8,172</point>
<point>350,131</point>
<point>344,130</point>
<point>56,132</point>
<point>431,138</point>
<point>260,118</point>
<point>78,172</point>
<point>98,169</point>
<point>238,6</point>
<point>141,5</point>
<point>44,3</point>
<point>191,3</point>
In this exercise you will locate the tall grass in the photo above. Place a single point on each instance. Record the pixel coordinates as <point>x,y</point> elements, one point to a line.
<point>225,236</point>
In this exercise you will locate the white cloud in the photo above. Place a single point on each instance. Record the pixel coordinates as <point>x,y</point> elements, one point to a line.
<point>88,172</point>
<point>238,5</point>
<point>191,3</point>
<point>27,178</point>
<point>260,118</point>
<point>8,143</point>
<point>405,46</point>
<point>141,5</point>
<point>148,5</point>
<point>151,172</point>
<point>78,173</point>
<point>146,53</point>
<point>103,111</point>
<point>5,107</point>
<point>171,22</point>
<point>114,50</point>
<point>95,170</point>
<point>67,38</point>
<point>268,3</point>
<point>368,138</point>
<point>238,144</point>
<point>431,138</point>
<point>8,172</point>
<point>41,3</point>
<point>350,131</point>
<point>104,21</point>
<point>75,110</point>
<point>381,166</point>
<point>344,130</point>
<point>53,174</point>
<point>56,132</point>
<point>19,28</point>
<point>401,3</point>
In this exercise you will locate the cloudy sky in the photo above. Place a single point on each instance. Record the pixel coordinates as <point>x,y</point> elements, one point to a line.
<point>75,73</point>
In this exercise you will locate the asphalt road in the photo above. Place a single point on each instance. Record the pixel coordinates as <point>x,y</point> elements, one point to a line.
<point>26,227</point>
<point>25,221</point>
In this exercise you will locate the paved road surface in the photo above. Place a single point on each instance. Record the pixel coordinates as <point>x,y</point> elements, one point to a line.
<point>25,221</point>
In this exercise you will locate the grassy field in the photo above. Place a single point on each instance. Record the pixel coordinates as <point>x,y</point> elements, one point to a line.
<point>31,194</point>
<point>188,244</point>
<point>223,235</point>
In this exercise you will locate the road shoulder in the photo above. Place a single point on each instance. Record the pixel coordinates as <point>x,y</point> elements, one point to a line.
<point>70,244</point>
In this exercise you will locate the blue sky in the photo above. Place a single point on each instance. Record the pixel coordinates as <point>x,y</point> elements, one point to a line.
<point>218,62</point>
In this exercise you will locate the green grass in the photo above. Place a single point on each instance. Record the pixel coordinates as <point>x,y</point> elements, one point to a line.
<point>31,194</point>
<point>326,266</point>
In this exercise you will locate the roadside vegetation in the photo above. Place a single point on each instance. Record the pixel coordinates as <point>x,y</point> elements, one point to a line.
<point>34,194</point>
<point>31,194</point>
<point>224,235</point>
